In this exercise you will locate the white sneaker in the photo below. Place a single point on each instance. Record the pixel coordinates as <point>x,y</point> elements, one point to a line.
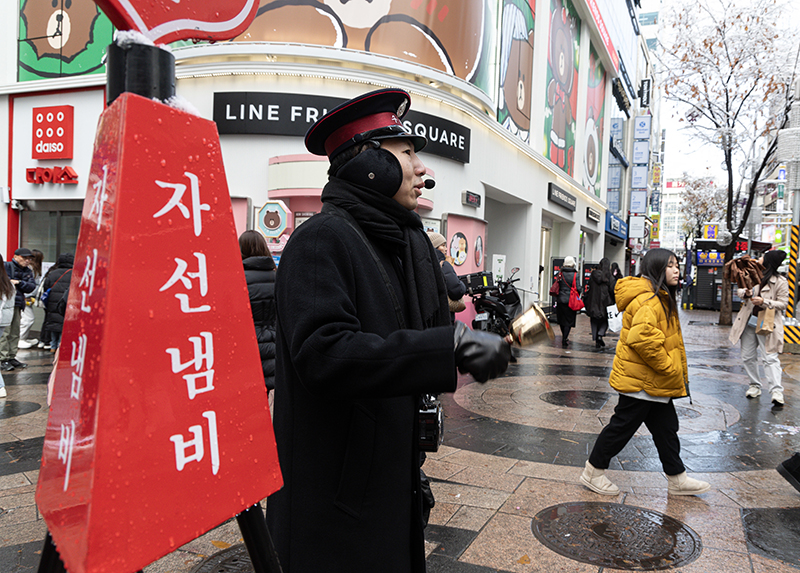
<point>41,344</point>
<point>27,343</point>
<point>753,392</point>
<point>3,392</point>
<point>682,484</point>
<point>596,481</point>
<point>777,398</point>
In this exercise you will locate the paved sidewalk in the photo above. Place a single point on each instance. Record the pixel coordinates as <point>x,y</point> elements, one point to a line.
<point>515,447</point>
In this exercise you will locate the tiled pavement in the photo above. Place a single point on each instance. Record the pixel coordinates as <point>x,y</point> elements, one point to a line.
<point>514,447</point>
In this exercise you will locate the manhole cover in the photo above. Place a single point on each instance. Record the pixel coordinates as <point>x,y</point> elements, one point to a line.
<point>774,532</point>
<point>12,408</point>
<point>232,560</point>
<point>583,399</point>
<point>616,536</point>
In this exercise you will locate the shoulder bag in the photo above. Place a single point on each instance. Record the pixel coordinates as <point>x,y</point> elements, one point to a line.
<point>575,302</point>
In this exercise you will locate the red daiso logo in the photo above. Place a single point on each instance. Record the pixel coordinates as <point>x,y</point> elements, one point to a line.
<point>52,132</point>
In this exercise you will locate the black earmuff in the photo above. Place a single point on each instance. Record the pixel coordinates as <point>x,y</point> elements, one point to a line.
<point>375,169</point>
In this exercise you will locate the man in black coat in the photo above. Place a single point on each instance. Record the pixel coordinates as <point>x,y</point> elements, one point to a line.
<point>363,331</point>
<point>22,278</point>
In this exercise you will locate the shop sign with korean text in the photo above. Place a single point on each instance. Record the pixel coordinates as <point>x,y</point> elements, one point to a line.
<point>159,427</point>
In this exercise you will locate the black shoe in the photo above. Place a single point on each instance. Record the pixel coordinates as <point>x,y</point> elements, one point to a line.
<point>790,470</point>
<point>6,366</point>
<point>564,342</point>
<point>600,341</point>
<point>599,344</point>
<point>17,364</point>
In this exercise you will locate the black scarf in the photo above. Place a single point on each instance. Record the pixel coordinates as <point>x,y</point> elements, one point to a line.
<point>399,230</point>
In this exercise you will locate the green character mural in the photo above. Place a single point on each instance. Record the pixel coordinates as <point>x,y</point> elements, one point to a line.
<point>562,85</point>
<point>595,119</point>
<point>516,67</point>
<point>60,38</point>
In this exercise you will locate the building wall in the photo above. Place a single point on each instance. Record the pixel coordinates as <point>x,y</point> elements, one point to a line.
<point>510,173</point>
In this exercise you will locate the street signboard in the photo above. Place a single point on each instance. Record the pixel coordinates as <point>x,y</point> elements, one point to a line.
<point>159,403</point>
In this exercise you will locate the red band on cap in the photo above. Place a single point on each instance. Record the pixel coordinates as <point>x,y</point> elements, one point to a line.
<point>362,125</point>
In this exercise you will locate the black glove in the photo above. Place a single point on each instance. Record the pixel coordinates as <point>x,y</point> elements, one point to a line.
<point>482,354</point>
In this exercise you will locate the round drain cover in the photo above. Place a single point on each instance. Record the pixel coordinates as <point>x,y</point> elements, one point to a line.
<point>583,399</point>
<point>232,560</point>
<point>12,408</point>
<point>616,536</point>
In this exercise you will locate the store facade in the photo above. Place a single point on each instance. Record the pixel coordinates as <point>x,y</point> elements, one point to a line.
<point>520,163</point>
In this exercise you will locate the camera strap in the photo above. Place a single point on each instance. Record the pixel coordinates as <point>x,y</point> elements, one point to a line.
<point>350,220</point>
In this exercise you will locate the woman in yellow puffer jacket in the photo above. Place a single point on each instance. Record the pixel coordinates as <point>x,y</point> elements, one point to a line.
<point>649,370</point>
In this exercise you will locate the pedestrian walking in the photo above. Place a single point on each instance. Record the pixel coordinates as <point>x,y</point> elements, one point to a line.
<point>616,274</point>
<point>567,278</point>
<point>771,294</point>
<point>259,273</point>
<point>27,317</point>
<point>649,371</point>
<point>56,283</point>
<point>22,279</point>
<point>7,295</point>
<point>363,331</point>
<point>456,289</point>
<point>597,300</point>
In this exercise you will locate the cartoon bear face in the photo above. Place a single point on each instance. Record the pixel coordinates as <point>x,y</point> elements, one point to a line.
<point>59,28</point>
<point>445,36</point>
<point>272,219</point>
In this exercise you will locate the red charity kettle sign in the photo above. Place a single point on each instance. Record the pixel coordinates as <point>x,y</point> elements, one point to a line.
<point>159,426</point>
<point>164,21</point>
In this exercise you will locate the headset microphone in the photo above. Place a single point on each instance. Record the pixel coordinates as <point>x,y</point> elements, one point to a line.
<point>430,184</point>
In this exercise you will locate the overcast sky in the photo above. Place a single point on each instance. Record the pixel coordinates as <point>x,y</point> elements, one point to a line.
<point>681,152</point>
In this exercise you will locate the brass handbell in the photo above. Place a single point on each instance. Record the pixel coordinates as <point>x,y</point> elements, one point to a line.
<point>531,327</point>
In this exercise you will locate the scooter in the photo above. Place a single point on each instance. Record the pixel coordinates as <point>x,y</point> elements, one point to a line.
<point>496,305</point>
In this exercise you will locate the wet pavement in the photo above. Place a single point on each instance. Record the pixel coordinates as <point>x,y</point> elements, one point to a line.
<point>506,478</point>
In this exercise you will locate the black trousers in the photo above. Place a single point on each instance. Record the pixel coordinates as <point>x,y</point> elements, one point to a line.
<point>662,421</point>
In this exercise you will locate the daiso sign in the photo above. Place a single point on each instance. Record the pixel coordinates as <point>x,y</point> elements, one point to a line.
<point>52,132</point>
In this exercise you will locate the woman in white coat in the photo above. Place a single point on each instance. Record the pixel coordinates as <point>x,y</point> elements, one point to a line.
<point>7,294</point>
<point>772,292</point>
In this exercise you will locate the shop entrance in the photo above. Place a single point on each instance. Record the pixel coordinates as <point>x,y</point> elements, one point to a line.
<point>52,232</point>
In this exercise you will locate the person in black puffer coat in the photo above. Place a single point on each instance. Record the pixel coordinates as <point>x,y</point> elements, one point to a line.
<point>597,299</point>
<point>57,280</point>
<point>564,314</point>
<point>259,271</point>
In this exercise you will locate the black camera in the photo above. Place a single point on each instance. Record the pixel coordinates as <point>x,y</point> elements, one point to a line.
<point>431,423</point>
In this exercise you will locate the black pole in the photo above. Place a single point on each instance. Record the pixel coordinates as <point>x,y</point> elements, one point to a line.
<point>257,540</point>
<point>50,561</point>
<point>145,70</point>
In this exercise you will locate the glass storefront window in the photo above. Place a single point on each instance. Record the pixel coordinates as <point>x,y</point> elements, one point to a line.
<point>52,232</point>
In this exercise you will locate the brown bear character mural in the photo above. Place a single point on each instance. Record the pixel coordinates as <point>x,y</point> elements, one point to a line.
<point>444,34</point>
<point>560,89</point>
<point>59,29</point>
<point>272,220</point>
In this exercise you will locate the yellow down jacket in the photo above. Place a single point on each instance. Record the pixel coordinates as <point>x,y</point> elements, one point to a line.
<point>650,353</point>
